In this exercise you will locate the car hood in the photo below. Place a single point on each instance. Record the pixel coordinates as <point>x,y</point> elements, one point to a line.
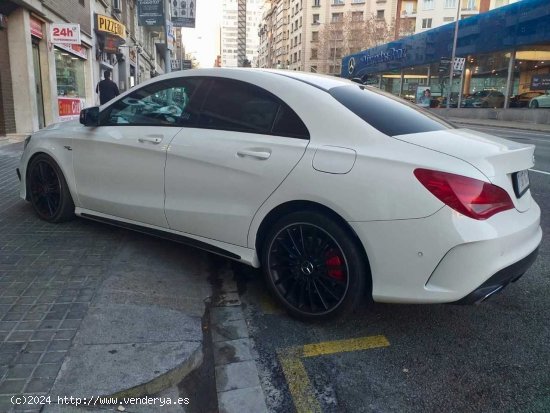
<point>489,154</point>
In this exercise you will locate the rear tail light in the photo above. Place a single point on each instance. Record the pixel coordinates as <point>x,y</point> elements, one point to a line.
<point>474,198</point>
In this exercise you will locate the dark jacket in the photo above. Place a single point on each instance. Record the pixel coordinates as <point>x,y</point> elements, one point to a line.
<point>107,90</point>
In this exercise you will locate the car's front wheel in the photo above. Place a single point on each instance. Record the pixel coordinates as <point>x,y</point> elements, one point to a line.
<point>314,266</point>
<point>48,190</point>
<point>534,104</point>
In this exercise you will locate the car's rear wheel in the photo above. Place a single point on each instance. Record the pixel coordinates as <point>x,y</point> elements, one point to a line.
<point>534,104</point>
<point>313,266</point>
<point>49,193</point>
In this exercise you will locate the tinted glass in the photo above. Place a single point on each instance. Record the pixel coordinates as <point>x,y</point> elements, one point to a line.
<point>165,103</point>
<point>239,106</point>
<point>388,114</point>
<point>288,123</point>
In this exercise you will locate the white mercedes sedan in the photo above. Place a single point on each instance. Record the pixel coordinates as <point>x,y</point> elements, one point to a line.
<point>340,192</point>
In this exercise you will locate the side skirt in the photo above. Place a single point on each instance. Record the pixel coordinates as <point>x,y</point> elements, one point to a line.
<point>182,239</point>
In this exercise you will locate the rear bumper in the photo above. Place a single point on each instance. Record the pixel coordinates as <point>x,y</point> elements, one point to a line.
<point>500,280</point>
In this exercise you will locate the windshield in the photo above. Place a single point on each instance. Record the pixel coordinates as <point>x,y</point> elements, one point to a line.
<point>390,115</point>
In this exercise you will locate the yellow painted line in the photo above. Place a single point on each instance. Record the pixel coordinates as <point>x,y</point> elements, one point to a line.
<point>298,383</point>
<point>295,373</point>
<point>343,346</point>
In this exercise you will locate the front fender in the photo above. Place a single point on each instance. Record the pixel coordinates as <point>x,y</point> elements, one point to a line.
<point>59,149</point>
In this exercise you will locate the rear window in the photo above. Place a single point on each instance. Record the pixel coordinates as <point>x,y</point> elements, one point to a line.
<point>385,112</point>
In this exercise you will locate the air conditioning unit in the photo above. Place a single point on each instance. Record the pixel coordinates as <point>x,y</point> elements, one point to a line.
<point>116,6</point>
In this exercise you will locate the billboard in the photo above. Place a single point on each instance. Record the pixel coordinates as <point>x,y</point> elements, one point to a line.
<point>150,12</point>
<point>63,33</point>
<point>183,13</point>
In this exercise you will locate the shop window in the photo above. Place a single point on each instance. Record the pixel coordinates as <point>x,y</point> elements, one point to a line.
<point>69,71</point>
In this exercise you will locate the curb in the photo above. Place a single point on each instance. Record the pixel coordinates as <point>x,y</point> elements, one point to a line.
<point>237,380</point>
<point>508,125</point>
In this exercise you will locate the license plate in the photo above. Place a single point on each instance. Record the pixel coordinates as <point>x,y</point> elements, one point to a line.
<point>521,182</point>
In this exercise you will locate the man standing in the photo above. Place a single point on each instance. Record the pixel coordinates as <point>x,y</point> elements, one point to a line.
<point>107,89</point>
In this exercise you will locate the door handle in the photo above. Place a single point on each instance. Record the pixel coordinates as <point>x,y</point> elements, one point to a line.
<point>258,154</point>
<point>153,140</point>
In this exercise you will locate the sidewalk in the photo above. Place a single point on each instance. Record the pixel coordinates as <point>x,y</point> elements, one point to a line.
<point>538,127</point>
<point>88,310</point>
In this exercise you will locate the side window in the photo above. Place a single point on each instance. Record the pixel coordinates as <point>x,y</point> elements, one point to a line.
<point>239,106</point>
<point>165,103</point>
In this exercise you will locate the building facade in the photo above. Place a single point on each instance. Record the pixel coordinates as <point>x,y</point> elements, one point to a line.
<point>42,83</point>
<point>312,35</point>
<point>230,36</point>
<point>506,53</point>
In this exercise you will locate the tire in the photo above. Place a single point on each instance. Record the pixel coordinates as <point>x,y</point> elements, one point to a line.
<point>314,267</point>
<point>48,190</point>
<point>534,104</point>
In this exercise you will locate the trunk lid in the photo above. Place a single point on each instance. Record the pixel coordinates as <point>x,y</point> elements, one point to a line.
<point>498,159</point>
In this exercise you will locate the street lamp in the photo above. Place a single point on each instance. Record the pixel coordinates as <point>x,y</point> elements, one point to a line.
<point>451,71</point>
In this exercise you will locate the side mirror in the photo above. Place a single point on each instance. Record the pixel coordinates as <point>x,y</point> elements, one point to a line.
<point>90,116</point>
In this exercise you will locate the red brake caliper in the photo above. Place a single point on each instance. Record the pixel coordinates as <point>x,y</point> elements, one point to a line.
<point>334,266</point>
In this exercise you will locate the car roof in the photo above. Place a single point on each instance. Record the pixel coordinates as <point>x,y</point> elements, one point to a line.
<point>323,82</point>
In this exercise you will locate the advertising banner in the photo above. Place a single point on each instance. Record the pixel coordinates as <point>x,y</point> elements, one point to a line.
<point>150,12</point>
<point>64,33</point>
<point>69,108</point>
<point>540,82</point>
<point>183,13</point>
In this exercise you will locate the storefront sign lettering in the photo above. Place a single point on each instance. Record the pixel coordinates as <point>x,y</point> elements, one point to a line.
<point>107,25</point>
<point>36,28</point>
<point>69,108</point>
<point>61,33</point>
<point>384,57</point>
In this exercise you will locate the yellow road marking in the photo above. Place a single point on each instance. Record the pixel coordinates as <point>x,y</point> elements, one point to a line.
<point>298,383</point>
<point>295,373</point>
<point>342,346</point>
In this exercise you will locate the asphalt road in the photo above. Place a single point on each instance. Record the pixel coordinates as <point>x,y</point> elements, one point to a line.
<point>494,357</point>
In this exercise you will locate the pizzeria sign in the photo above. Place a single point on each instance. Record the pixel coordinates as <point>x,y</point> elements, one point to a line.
<point>107,25</point>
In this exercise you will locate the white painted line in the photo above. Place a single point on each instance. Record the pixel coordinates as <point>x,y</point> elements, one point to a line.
<point>540,172</point>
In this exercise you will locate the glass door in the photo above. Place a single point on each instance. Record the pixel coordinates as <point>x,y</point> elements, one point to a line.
<point>38,85</point>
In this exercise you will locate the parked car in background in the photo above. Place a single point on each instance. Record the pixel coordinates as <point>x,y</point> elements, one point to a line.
<point>484,99</point>
<point>542,101</point>
<point>522,100</point>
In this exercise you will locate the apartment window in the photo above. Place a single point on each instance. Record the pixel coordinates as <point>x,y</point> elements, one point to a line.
<point>380,14</point>
<point>317,3</point>
<point>428,4</point>
<point>314,36</point>
<point>299,55</point>
<point>357,1</point>
<point>448,19</point>
<point>313,54</point>
<point>300,38</point>
<point>313,68</point>
<point>470,5</point>
<point>337,17</point>
<point>337,2</point>
<point>450,4</point>
<point>300,21</point>
<point>315,19</point>
<point>357,16</point>
<point>426,23</point>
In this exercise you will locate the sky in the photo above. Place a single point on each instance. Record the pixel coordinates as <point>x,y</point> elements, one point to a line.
<point>203,40</point>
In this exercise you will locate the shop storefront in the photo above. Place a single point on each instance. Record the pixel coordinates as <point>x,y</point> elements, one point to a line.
<point>110,36</point>
<point>70,70</point>
<point>506,55</point>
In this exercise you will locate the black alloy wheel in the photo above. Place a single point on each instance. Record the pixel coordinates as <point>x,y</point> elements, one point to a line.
<point>49,194</point>
<point>313,266</point>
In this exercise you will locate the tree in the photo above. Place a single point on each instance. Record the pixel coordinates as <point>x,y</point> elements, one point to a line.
<point>349,33</point>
